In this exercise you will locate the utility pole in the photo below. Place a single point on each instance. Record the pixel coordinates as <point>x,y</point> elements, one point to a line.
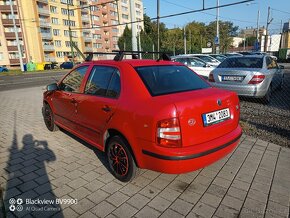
<point>69,32</point>
<point>133,26</point>
<point>16,36</point>
<point>158,26</point>
<point>266,36</point>
<point>184,39</point>
<point>217,41</point>
<point>190,41</point>
<point>257,34</point>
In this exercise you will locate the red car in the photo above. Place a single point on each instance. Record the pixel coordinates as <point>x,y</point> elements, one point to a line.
<point>157,115</point>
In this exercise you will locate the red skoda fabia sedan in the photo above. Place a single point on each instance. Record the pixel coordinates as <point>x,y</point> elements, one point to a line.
<point>157,115</point>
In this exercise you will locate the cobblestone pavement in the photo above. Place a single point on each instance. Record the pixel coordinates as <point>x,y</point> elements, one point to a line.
<point>39,168</point>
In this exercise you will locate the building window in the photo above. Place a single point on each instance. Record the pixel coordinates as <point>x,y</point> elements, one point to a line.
<point>57,43</point>
<point>113,5</point>
<point>70,2</point>
<point>114,13</point>
<point>137,5</point>
<point>138,13</point>
<point>115,38</point>
<point>94,17</point>
<point>115,30</point>
<point>125,1</point>
<point>97,36</point>
<point>65,12</point>
<point>56,32</point>
<point>94,8</point>
<point>54,20</point>
<point>97,45</point>
<point>59,54</point>
<point>53,9</point>
<point>125,16</point>
<point>67,22</point>
<point>125,9</point>
<point>67,43</point>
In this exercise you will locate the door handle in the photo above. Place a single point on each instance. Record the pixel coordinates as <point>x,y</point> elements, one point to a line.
<point>106,108</point>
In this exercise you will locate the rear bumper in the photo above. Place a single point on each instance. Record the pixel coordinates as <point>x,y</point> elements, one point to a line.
<point>244,90</point>
<point>182,160</point>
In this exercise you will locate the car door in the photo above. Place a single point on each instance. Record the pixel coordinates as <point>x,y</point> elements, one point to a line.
<point>64,98</point>
<point>98,103</point>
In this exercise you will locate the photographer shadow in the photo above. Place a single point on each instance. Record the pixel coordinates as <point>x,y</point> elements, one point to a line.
<point>28,189</point>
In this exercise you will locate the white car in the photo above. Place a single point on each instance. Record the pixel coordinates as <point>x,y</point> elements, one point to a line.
<point>196,64</point>
<point>207,59</point>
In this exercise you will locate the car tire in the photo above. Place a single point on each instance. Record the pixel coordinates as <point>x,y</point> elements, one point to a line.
<point>120,159</point>
<point>48,117</point>
<point>267,98</point>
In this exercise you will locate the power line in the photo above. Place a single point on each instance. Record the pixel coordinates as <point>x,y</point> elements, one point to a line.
<point>280,11</point>
<point>171,15</point>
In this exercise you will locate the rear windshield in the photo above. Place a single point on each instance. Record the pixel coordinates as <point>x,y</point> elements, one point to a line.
<point>161,80</point>
<point>242,62</point>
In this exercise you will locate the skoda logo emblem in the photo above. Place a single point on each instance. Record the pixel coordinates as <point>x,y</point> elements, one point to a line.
<point>219,102</point>
<point>191,122</point>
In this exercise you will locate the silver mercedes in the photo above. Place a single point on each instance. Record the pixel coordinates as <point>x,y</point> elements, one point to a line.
<point>250,75</point>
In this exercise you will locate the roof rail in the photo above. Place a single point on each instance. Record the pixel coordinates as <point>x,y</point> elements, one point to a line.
<point>119,55</point>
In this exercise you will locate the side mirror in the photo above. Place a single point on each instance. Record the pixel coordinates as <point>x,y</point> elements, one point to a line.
<point>282,67</point>
<point>52,87</point>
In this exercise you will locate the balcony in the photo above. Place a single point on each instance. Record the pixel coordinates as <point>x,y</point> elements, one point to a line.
<point>44,23</point>
<point>15,61</point>
<point>43,11</point>
<point>50,59</point>
<point>12,48</point>
<point>46,35</point>
<point>48,47</point>
<point>85,19</point>
<point>9,22</point>
<point>6,8</point>
<point>87,38</point>
<point>43,1</point>
<point>11,35</point>
<point>88,49</point>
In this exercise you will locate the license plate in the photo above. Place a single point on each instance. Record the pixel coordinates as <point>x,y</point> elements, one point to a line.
<point>216,116</point>
<point>232,78</point>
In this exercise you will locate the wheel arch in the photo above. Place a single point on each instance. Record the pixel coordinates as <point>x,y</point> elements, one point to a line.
<point>111,132</point>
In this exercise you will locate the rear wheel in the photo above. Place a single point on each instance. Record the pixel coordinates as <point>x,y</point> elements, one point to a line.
<point>120,159</point>
<point>49,118</point>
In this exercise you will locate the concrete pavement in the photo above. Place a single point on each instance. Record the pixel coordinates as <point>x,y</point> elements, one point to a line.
<point>54,174</point>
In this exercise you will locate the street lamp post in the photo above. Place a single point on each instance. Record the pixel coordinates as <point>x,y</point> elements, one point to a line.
<point>217,41</point>
<point>17,37</point>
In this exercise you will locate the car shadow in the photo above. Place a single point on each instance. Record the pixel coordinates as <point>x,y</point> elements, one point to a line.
<point>28,190</point>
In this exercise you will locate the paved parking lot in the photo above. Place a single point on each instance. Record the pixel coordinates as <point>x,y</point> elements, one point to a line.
<point>45,174</point>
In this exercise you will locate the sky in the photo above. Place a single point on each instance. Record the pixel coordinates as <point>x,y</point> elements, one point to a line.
<point>243,15</point>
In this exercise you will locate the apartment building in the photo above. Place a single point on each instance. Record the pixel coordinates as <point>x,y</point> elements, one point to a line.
<point>9,55</point>
<point>43,27</point>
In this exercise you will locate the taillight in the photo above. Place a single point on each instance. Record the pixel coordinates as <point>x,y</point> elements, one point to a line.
<point>210,78</point>
<point>257,79</point>
<point>168,133</point>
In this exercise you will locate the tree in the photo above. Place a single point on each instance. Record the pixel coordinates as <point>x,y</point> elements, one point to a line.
<point>125,41</point>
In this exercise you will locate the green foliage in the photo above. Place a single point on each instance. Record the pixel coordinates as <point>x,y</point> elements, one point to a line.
<point>172,40</point>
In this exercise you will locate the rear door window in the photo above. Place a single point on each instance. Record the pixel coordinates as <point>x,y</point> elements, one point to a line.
<point>161,80</point>
<point>104,81</point>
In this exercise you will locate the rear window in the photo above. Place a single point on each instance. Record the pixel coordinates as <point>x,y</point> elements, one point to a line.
<point>242,62</point>
<point>162,80</point>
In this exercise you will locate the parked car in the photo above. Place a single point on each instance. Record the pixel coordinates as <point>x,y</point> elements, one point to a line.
<point>66,65</point>
<point>219,57</point>
<point>196,64</point>
<point>157,115</point>
<point>253,76</point>
<point>233,54</point>
<point>3,69</point>
<point>206,58</point>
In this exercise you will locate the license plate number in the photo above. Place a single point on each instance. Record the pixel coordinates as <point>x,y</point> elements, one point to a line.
<point>232,78</point>
<point>216,116</point>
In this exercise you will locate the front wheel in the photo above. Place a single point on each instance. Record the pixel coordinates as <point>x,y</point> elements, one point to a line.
<point>120,159</point>
<point>48,117</point>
